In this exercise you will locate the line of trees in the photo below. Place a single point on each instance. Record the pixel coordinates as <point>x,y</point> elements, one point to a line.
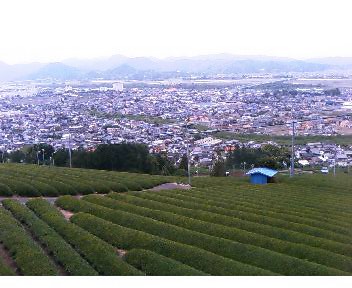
<point>118,157</point>
<point>133,157</point>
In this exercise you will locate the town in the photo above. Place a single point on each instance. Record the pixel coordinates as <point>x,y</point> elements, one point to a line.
<point>171,116</point>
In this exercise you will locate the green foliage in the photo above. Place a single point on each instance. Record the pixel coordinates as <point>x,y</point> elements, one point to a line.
<point>183,163</point>
<point>34,181</point>
<point>174,215</point>
<point>245,253</point>
<point>98,253</point>
<point>62,252</point>
<point>5,190</point>
<point>219,168</point>
<point>154,264</point>
<point>191,210</point>
<point>29,257</point>
<point>199,259</point>
<point>269,156</point>
<point>5,270</point>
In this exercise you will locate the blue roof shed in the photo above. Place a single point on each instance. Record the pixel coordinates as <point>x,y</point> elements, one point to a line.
<point>261,175</point>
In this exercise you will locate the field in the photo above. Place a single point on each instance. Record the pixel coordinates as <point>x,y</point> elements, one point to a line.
<point>48,181</point>
<point>222,226</point>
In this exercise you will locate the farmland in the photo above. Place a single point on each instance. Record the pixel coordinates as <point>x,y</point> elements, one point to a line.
<point>109,223</point>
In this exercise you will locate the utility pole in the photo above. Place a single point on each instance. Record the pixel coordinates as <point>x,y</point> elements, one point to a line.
<point>188,160</point>
<point>292,172</point>
<point>335,160</point>
<point>69,149</point>
<point>43,156</point>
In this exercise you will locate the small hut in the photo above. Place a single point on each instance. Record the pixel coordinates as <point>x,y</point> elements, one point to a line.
<point>261,175</point>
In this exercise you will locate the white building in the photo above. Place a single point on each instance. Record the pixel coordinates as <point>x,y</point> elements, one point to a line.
<point>117,86</point>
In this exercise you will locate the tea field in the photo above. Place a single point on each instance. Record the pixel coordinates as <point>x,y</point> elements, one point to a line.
<point>49,181</point>
<point>222,226</point>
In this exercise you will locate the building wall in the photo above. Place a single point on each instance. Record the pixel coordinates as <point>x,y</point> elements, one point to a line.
<point>259,179</point>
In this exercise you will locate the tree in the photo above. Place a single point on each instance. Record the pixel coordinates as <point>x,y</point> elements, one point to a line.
<point>17,156</point>
<point>184,163</point>
<point>219,168</point>
<point>61,157</point>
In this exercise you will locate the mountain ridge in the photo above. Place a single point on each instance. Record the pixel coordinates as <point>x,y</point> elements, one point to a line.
<point>120,66</point>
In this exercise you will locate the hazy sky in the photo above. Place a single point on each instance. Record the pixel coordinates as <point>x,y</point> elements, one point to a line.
<point>52,30</point>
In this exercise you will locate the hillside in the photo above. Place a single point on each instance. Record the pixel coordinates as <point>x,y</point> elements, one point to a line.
<point>222,226</point>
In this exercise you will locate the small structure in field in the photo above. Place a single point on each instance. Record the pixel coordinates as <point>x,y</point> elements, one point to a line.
<point>261,175</point>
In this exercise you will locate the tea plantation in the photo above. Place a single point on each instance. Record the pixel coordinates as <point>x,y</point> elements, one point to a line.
<point>222,226</point>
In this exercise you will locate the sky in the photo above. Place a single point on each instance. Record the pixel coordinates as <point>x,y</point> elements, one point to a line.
<point>53,30</point>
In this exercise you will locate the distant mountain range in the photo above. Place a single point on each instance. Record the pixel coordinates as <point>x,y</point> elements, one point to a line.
<point>122,67</point>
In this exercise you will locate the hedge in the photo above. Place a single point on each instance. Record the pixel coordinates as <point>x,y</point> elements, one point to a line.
<point>272,199</point>
<point>245,253</point>
<point>28,255</point>
<point>157,265</point>
<point>195,257</point>
<point>5,190</point>
<point>279,233</point>
<point>273,218</point>
<point>98,253</point>
<point>5,270</point>
<point>20,188</point>
<point>263,204</point>
<point>62,252</point>
<point>313,231</point>
<point>158,211</point>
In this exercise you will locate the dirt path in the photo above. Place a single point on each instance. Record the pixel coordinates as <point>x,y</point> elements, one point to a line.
<point>5,256</point>
<point>67,214</point>
<point>171,186</point>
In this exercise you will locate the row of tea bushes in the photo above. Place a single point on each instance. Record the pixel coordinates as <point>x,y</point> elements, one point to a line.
<point>245,253</point>
<point>60,250</point>
<point>272,232</point>
<point>195,257</point>
<point>153,264</point>
<point>167,214</point>
<point>99,254</point>
<point>27,254</point>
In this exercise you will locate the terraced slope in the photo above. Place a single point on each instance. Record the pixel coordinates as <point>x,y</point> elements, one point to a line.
<point>219,227</point>
<point>36,181</point>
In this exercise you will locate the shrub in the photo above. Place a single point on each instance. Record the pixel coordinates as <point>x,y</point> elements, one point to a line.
<point>245,253</point>
<point>5,270</point>
<point>173,215</point>
<point>266,230</point>
<point>97,252</point>
<point>5,190</point>
<point>29,257</point>
<point>62,252</point>
<point>268,217</point>
<point>200,259</point>
<point>157,265</point>
<point>44,189</point>
<point>20,188</point>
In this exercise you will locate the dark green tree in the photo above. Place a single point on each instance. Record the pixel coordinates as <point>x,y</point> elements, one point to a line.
<point>219,168</point>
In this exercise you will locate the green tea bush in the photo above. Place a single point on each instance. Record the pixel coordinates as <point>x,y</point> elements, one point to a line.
<point>279,233</point>
<point>97,252</point>
<point>200,259</point>
<point>157,265</point>
<point>20,188</point>
<point>62,252</point>
<point>272,218</point>
<point>5,190</point>
<point>245,253</point>
<point>173,215</point>
<point>5,270</point>
<point>29,257</point>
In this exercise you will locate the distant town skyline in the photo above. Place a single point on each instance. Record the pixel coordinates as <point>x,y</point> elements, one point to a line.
<point>51,31</point>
